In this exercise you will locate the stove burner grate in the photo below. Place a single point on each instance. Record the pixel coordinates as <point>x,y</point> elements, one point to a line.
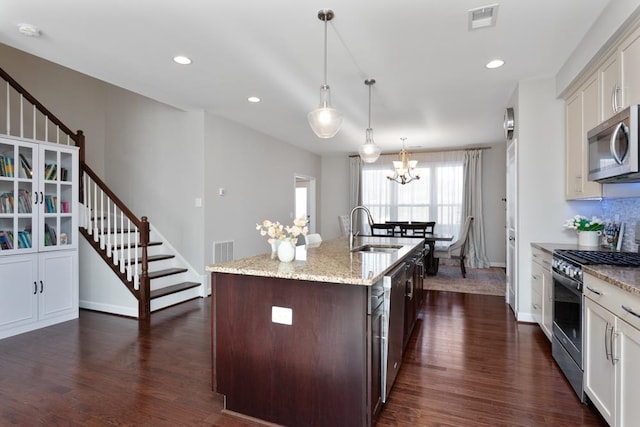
<point>620,259</point>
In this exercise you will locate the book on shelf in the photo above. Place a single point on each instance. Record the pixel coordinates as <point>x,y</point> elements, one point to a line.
<point>50,203</point>
<point>50,172</point>
<point>26,167</point>
<point>49,235</point>
<point>24,239</point>
<point>6,166</point>
<point>6,203</point>
<point>24,201</point>
<point>6,239</point>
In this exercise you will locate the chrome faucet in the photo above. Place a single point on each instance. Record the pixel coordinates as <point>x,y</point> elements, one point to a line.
<point>352,234</point>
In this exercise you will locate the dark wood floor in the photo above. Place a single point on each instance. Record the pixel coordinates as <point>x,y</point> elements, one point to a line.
<point>468,364</point>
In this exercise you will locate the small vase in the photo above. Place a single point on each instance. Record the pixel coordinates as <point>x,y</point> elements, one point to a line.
<point>589,238</point>
<point>274,248</point>
<point>286,251</point>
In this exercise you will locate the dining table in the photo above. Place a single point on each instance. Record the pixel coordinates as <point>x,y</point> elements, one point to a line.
<point>417,230</point>
<point>431,265</point>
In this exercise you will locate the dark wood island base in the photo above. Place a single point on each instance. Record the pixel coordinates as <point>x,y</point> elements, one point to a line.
<point>313,372</point>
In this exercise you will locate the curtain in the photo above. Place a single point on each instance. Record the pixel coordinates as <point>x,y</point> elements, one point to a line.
<point>472,205</point>
<point>355,192</point>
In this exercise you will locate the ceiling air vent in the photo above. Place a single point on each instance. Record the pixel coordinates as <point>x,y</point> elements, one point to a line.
<point>483,17</point>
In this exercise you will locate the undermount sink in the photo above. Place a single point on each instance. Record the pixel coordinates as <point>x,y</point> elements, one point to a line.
<point>378,248</point>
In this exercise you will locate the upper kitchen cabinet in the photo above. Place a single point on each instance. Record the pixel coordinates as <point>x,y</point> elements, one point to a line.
<point>610,87</point>
<point>629,57</point>
<point>582,112</point>
<point>618,74</point>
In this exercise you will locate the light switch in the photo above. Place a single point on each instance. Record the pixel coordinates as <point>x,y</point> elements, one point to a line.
<point>198,202</point>
<point>221,191</point>
<point>281,315</point>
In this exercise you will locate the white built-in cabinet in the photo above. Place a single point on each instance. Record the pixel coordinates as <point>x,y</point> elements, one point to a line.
<point>541,290</point>
<point>581,115</point>
<point>612,351</point>
<point>38,235</point>
<point>610,86</point>
<point>606,88</point>
<point>629,58</point>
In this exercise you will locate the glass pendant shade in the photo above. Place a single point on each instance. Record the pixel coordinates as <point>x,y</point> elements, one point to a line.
<point>325,121</point>
<point>369,152</point>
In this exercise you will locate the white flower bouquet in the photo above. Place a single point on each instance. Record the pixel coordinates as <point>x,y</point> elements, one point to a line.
<point>582,223</point>
<point>277,231</point>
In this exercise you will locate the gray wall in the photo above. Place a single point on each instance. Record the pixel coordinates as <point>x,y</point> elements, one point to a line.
<point>334,197</point>
<point>74,98</point>
<point>257,173</point>
<point>154,163</point>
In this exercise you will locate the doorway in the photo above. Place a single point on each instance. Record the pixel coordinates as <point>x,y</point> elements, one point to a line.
<point>305,200</point>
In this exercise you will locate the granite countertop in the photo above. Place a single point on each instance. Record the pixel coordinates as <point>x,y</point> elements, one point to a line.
<point>331,262</point>
<point>550,247</point>
<point>627,278</point>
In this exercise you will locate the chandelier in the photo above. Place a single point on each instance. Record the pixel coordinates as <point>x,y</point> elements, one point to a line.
<point>403,169</point>
<point>325,121</point>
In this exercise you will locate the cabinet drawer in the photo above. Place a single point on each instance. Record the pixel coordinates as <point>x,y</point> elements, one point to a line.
<point>618,301</point>
<point>541,257</point>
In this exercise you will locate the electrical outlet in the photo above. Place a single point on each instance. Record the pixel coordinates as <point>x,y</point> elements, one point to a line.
<point>281,315</point>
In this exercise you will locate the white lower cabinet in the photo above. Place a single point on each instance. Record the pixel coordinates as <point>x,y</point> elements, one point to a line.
<point>37,290</point>
<point>542,290</point>
<point>599,371</point>
<point>612,351</point>
<point>628,408</point>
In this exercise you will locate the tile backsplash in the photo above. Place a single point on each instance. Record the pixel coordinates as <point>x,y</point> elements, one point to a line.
<point>628,209</point>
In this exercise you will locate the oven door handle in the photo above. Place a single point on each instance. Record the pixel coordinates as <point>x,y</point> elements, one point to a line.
<point>570,284</point>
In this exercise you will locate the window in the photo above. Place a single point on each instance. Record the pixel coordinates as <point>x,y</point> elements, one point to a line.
<point>436,196</point>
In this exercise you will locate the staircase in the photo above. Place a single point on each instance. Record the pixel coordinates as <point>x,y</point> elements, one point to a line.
<point>138,255</point>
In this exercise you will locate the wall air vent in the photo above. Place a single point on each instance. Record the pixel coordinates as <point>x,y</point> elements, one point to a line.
<point>483,17</point>
<point>222,251</point>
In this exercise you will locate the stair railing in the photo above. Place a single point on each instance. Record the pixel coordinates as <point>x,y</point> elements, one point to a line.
<point>102,213</point>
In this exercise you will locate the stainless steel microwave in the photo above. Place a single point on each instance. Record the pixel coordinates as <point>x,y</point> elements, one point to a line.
<point>613,148</point>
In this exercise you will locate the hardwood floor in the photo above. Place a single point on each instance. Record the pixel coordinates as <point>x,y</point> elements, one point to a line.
<point>468,364</point>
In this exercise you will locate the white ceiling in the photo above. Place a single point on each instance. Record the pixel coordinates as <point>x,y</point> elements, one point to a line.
<point>432,86</point>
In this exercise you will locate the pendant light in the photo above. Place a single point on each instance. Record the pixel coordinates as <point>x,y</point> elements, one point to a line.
<point>369,152</point>
<point>403,169</point>
<point>325,121</point>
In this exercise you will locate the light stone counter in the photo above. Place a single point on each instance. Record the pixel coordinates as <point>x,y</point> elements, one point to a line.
<point>627,278</point>
<point>330,262</point>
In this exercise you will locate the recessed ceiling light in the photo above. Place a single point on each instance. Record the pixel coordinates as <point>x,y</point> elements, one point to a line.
<point>183,60</point>
<point>253,99</point>
<point>29,30</point>
<point>496,63</point>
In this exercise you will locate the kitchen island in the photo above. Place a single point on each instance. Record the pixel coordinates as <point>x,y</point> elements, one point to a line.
<point>299,344</point>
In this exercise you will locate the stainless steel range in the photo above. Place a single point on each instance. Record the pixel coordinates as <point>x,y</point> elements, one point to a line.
<point>568,302</point>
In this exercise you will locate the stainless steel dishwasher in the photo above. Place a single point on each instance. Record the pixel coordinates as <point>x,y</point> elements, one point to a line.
<point>392,327</point>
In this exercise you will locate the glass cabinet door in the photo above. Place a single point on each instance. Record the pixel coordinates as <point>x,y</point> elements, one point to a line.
<point>18,196</point>
<point>57,197</point>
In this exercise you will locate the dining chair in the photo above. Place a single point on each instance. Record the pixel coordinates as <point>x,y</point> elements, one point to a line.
<point>343,220</point>
<point>429,225</point>
<point>456,250</point>
<point>383,229</point>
